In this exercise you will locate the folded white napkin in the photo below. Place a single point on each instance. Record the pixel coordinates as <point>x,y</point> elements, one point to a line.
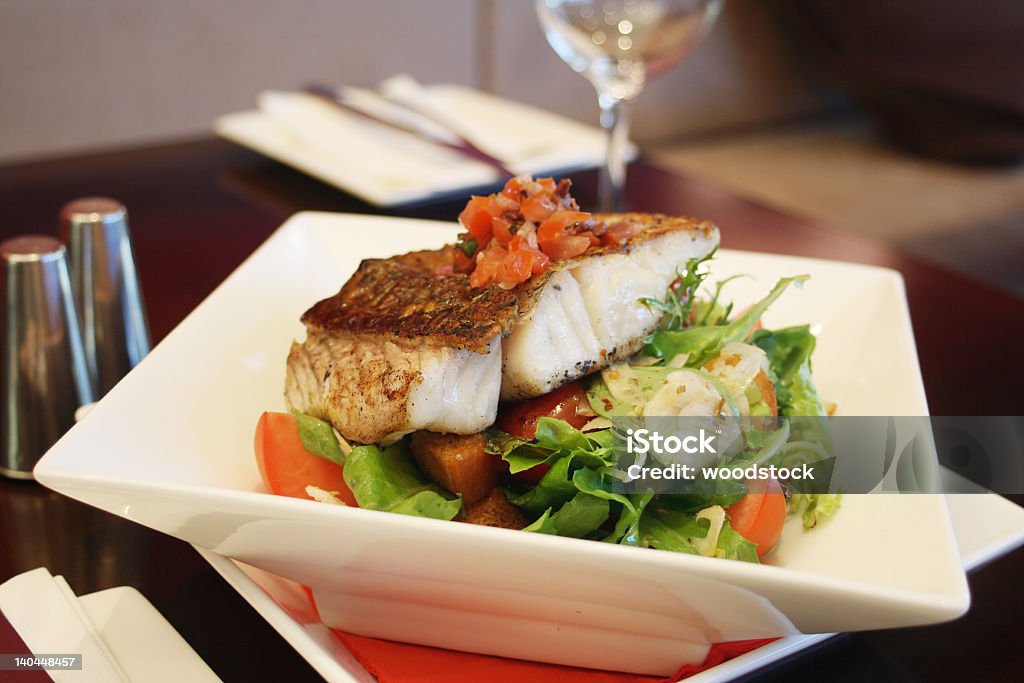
<point>46,614</point>
<point>389,167</point>
<point>119,634</point>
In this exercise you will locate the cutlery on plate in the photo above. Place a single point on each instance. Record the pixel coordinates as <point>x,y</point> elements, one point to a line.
<point>460,146</point>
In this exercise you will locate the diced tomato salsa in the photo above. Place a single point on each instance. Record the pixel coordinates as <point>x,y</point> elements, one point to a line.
<point>514,234</point>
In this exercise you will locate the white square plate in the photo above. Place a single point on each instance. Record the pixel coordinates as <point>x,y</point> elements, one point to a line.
<point>171,448</point>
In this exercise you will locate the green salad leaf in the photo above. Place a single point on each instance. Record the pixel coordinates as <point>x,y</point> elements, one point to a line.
<point>553,489</point>
<point>733,546</point>
<point>667,528</point>
<point>680,297</point>
<point>581,515</point>
<point>555,439</point>
<point>789,354</point>
<point>387,479</point>
<point>318,438</point>
<point>814,506</point>
<point>704,343</point>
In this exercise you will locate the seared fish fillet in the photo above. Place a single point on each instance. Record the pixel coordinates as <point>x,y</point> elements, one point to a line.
<point>583,314</point>
<point>401,348</point>
<point>398,349</point>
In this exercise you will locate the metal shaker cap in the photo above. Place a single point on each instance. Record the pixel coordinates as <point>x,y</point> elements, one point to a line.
<point>43,372</point>
<point>106,287</point>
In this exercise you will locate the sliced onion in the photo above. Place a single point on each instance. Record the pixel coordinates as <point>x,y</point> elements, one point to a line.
<point>709,544</point>
<point>597,423</point>
<point>321,496</point>
<point>623,384</point>
<point>679,360</point>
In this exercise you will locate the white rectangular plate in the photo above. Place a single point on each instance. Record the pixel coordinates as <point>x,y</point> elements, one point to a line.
<point>171,448</point>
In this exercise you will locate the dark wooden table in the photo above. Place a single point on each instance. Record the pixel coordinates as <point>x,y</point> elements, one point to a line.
<point>198,209</point>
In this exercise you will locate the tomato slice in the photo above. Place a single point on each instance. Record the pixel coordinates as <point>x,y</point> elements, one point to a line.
<point>760,514</point>
<point>287,468</point>
<point>567,403</point>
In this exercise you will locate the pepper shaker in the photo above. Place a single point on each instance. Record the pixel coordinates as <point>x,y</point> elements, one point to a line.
<point>106,287</point>
<point>43,374</point>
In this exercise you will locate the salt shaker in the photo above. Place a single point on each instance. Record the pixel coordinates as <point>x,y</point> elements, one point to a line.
<point>44,375</point>
<point>106,287</point>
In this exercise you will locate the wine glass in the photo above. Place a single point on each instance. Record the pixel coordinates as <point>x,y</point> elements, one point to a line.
<point>617,45</point>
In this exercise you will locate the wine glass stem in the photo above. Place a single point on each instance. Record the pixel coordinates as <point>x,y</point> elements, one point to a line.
<point>612,181</point>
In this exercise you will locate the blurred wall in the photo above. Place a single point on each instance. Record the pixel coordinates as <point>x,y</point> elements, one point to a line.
<point>107,73</point>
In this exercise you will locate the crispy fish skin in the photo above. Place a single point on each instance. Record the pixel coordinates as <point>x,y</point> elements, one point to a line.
<point>401,348</point>
<point>585,313</point>
<point>402,299</point>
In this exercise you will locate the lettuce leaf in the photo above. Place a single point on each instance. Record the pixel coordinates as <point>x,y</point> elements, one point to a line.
<point>733,546</point>
<point>555,439</point>
<point>554,489</point>
<point>387,479</point>
<point>579,517</point>
<point>318,438</point>
<point>630,506</point>
<point>668,529</point>
<point>815,506</point>
<point>789,355</point>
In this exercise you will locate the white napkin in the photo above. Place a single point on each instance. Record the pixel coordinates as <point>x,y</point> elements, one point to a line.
<point>46,614</point>
<point>389,167</point>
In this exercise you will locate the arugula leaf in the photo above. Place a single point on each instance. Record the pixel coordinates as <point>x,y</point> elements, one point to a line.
<point>704,343</point>
<point>556,439</point>
<point>318,438</point>
<point>678,302</point>
<point>712,312</point>
<point>554,489</point>
<point>387,479</point>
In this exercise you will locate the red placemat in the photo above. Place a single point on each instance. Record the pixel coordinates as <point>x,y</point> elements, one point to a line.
<point>393,662</point>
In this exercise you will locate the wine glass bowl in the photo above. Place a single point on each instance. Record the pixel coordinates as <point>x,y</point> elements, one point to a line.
<point>618,45</point>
